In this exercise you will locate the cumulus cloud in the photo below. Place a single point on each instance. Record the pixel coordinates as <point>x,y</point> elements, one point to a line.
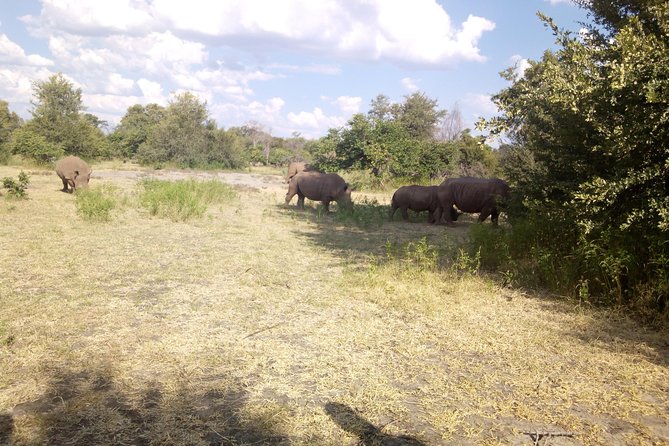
<point>410,84</point>
<point>349,105</point>
<point>12,54</point>
<point>418,32</point>
<point>480,104</point>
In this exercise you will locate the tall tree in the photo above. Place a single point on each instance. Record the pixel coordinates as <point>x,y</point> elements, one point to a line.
<point>57,116</point>
<point>418,114</point>
<point>592,118</point>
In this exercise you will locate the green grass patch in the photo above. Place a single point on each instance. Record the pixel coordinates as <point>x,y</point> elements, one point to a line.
<point>96,204</point>
<point>182,200</point>
<point>365,213</point>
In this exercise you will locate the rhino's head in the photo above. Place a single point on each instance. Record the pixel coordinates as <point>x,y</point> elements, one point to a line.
<point>80,179</point>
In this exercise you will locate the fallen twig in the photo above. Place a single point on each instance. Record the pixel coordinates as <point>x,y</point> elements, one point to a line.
<point>263,329</point>
<point>537,436</point>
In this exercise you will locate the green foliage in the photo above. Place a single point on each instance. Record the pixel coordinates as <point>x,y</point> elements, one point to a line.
<point>95,204</point>
<point>182,200</point>
<point>9,122</point>
<point>28,142</point>
<point>185,136</point>
<point>58,119</point>
<point>392,140</point>
<point>364,213</point>
<point>16,188</point>
<point>590,154</point>
<point>135,127</point>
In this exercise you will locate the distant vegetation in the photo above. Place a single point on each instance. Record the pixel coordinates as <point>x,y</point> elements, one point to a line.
<point>586,151</point>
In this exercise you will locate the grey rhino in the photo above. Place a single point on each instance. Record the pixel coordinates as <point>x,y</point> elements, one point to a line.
<point>418,199</point>
<point>317,186</point>
<point>74,172</point>
<point>296,167</point>
<point>472,195</point>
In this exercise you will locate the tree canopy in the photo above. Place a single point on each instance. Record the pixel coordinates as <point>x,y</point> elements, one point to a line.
<point>590,130</point>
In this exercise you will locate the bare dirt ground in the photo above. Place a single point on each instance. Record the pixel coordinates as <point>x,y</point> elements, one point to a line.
<point>259,324</point>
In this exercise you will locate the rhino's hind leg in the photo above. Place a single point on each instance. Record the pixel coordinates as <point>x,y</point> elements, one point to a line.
<point>405,214</point>
<point>485,213</point>
<point>326,203</point>
<point>300,201</point>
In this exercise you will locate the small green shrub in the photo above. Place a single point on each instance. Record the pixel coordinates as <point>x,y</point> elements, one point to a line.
<point>96,204</point>
<point>16,189</point>
<point>182,200</point>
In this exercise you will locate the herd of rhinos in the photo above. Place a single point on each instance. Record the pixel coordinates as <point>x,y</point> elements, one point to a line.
<point>469,195</point>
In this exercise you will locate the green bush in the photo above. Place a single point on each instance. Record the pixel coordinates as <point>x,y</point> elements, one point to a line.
<point>16,189</point>
<point>31,144</point>
<point>365,213</point>
<point>182,200</point>
<point>96,204</point>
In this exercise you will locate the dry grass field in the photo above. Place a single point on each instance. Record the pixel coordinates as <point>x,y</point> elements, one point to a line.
<point>258,324</point>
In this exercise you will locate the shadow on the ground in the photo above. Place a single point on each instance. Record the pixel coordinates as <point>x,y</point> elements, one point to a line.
<point>368,434</point>
<point>89,408</point>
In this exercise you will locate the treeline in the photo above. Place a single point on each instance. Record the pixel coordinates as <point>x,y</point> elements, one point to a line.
<point>181,134</point>
<point>412,139</point>
<point>589,160</point>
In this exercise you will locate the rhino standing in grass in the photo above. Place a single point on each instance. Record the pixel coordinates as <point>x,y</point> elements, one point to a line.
<point>317,186</point>
<point>418,199</point>
<point>74,172</point>
<point>296,167</point>
<point>473,195</point>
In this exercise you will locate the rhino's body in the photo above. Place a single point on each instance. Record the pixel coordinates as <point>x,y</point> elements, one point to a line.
<point>418,199</point>
<point>473,195</point>
<point>317,186</point>
<point>74,172</point>
<point>296,167</point>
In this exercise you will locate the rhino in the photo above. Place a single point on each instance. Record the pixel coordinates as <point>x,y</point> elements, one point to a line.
<point>74,172</point>
<point>418,199</point>
<point>296,167</point>
<point>473,195</point>
<point>317,186</point>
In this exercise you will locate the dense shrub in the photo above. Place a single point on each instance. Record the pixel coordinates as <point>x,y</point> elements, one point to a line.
<point>96,204</point>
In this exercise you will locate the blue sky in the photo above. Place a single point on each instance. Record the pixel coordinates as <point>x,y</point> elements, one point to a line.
<point>291,65</point>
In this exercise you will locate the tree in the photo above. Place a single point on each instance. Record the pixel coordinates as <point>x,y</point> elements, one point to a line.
<point>135,127</point>
<point>591,119</point>
<point>418,114</point>
<point>181,136</point>
<point>57,116</point>
<point>380,108</point>
<point>451,125</point>
<point>9,122</point>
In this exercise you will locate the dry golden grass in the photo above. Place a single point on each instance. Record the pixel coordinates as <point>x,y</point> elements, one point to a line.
<point>264,325</point>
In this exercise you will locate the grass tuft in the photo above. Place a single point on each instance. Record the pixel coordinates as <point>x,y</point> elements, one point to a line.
<point>96,204</point>
<point>182,200</point>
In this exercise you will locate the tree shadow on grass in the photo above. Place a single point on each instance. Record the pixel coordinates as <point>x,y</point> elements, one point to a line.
<point>89,408</point>
<point>368,434</point>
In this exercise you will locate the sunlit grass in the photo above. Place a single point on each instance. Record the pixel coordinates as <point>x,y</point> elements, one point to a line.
<point>250,326</point>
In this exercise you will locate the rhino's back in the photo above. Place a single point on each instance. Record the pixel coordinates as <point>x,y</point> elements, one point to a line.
<point>472,194</point>
<point>415,197</point>
<point>320,186</point>
<point>66,166</point>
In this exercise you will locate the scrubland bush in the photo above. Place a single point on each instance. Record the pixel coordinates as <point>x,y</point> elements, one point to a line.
<point>182,200</point>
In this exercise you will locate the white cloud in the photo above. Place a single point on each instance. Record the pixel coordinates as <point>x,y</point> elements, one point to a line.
<point>410,84</point>
<point>12,54</point>
<point>314,120</point>
<point>479,104</point>
<point>418,32</point>
<point>520,65</point>
<point>349,105</point>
